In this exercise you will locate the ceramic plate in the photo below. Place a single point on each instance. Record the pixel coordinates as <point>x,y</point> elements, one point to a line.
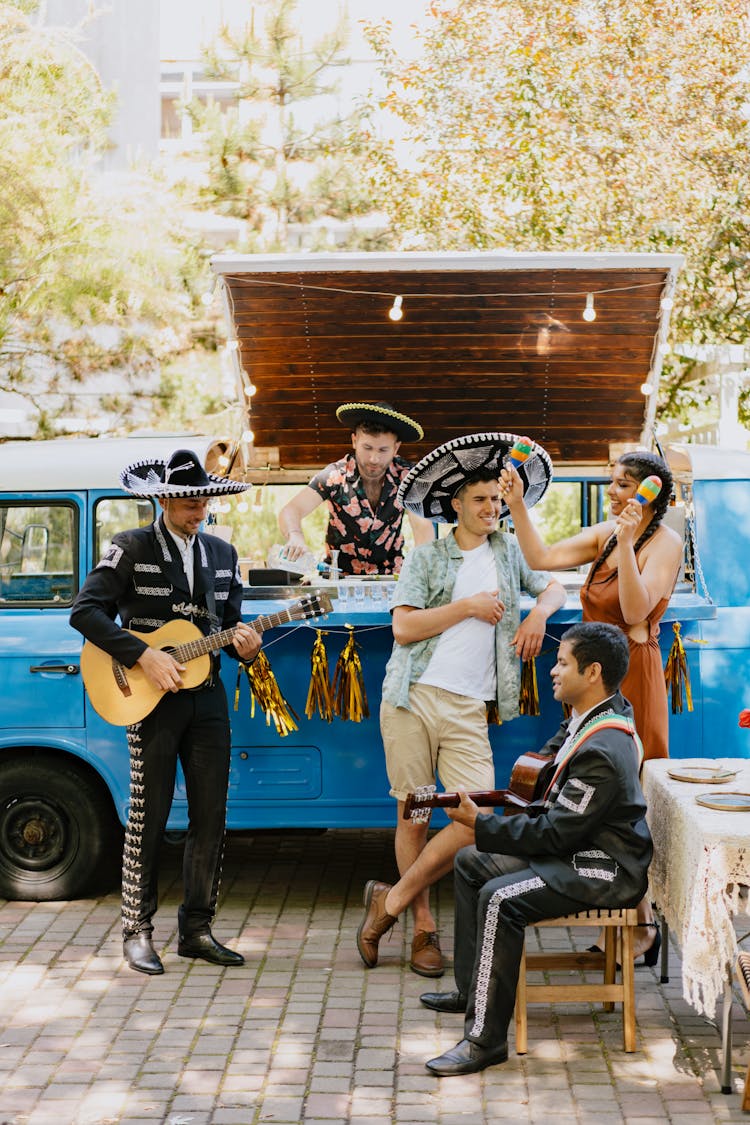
<point>729,802</point>
<point>711,775</point>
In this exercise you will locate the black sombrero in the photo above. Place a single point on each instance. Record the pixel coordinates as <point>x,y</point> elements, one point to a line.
<point>428,488</point>
<point>380,414</point>
<point>181,475</point>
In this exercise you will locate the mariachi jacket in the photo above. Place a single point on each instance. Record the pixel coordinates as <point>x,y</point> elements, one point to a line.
<point>589,839</point>
<point>141,578</point>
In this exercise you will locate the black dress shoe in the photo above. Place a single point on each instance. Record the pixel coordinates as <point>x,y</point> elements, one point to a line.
<point>207,948</point>
<point>141,955</point>
<point>467,1058</point>
<point>444,1001</point>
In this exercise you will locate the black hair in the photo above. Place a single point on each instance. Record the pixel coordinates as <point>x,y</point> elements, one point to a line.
<point>481,476</point>
<point>641,464</point>
<point>596,642</point>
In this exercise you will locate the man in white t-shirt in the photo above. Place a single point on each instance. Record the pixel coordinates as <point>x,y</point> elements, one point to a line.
<point>458,640</point>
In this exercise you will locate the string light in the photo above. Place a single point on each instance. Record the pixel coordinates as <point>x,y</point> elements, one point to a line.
<point>589,312</point>
<point>396,312</point>
<point>646,389</point>
<point>207,298</point>
<point>242,505</point>
<point>223,462</point>
<point>258,500</point>
<point>667,304</point>
<point>248,437</point>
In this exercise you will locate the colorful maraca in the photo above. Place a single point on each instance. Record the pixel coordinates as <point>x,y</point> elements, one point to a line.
<point>522,449</point>
<point>648,490</point>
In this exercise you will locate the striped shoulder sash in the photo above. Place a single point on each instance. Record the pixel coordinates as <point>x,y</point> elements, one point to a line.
<point>601,722</point>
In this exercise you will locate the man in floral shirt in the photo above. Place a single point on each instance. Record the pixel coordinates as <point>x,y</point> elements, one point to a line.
<point>365,516</point>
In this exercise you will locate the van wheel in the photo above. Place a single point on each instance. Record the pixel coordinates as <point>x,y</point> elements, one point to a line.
<point>59,836</point>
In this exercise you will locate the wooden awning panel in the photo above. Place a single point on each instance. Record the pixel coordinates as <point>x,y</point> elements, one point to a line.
<point>491,348</point>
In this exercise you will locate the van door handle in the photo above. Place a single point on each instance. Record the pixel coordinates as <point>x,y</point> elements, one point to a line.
<point>66,669</point>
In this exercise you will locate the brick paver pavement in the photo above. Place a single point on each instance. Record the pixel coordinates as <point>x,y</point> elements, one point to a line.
<point>303,1033</point>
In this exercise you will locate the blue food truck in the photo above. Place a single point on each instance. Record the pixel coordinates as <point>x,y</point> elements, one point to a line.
<point>64,769</point>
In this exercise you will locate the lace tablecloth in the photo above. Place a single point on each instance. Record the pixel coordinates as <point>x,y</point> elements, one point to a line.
<point>701,860</point>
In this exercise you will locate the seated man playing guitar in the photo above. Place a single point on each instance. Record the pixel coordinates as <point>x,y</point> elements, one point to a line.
<point>149,576</point>
<point>584,843</point>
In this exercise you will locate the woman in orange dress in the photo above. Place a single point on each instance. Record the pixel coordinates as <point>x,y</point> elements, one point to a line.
<point>635,561</point>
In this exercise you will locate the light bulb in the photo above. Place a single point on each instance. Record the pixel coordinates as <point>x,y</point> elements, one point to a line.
<point>250,389</point>
<point>248,436</point>
<point>667,304</point>
<point>646,389</point>
<point>223,461</point>
<point>258,500</point>
<point>396,312</point>
<point>206,299</point>
<point>242,506</point>
<point>589,312</point>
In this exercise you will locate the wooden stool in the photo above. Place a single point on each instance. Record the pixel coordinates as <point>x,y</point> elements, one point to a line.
<point>742,972</point>
<point>616,923</point>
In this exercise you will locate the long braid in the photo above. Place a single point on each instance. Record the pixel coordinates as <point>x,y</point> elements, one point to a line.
<point>641,465</point>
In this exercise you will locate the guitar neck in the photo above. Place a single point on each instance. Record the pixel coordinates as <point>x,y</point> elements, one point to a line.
<point>214,641</point>
<point>485,798</point>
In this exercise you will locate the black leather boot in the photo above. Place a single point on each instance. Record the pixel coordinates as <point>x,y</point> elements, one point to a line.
<point>204,945</point>
<point>141,955</point>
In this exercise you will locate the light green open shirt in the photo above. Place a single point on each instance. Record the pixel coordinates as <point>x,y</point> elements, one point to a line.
<point>427,579</point>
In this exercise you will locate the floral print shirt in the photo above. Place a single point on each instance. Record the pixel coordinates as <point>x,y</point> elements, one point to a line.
<point>368,542</point>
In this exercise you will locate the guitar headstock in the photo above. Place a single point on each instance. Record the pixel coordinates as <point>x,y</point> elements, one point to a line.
<point>418,805</point>
<point>312,605</point>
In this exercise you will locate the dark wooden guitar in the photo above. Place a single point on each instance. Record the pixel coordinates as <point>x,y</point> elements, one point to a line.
<point>124,695</point>
<point>527,783</point>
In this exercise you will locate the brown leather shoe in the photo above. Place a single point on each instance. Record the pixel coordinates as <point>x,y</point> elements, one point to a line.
<point>426,958</point>
<point>376,922</point>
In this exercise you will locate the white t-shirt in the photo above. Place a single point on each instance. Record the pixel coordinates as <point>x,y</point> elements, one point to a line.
<point>464,658</point>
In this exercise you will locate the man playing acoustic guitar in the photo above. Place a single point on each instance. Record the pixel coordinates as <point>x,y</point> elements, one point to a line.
<point>149,576</point>
<point>584,844</point>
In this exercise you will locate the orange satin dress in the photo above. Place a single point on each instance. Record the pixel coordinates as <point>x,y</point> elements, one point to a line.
<point>644,684</point>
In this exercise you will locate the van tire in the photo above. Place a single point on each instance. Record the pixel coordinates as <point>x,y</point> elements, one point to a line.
<point>59,836</point>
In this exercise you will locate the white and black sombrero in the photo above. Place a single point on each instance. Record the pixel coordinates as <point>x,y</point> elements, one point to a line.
<point>428,488</point>
<point>380,414</point>
<point>182,475</point>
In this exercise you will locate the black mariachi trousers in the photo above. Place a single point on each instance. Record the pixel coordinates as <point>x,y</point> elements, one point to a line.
<point>496,897</point>
<point>191,727</point>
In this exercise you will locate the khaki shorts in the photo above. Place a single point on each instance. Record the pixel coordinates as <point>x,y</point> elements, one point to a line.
<point>443,733</point>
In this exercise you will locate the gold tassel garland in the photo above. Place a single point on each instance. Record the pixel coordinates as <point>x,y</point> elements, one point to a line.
<point>349,697</point>
<point>319,695</point>
<point>677,674</point>
<point>528,700</point>
<point>265,689</point>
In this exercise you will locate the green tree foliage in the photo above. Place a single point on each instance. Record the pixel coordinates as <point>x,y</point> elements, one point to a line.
<point>579,125</point>
<point>95,280</point>
<point>269,163</point>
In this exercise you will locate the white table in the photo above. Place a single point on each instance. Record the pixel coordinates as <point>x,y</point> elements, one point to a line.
<point>701,862</point>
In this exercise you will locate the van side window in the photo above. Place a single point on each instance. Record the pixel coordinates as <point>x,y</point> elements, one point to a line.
<point>118,513</point>
<point>38,553</point>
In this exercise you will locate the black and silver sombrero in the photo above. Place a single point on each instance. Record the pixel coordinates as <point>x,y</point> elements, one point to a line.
<point>182,475</point>
<point>380,414</point>
<point>428,488</point>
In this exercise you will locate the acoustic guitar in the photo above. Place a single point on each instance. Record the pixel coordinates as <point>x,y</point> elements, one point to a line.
<point>124,695</point>
<point>527,783</point>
